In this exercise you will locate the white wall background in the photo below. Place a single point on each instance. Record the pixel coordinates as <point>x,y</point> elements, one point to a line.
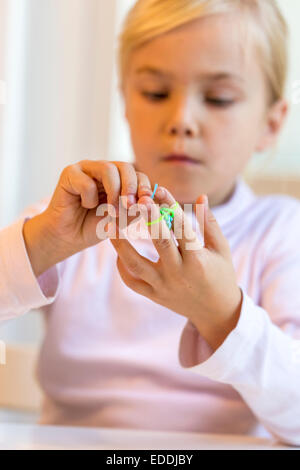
<point>58,60</point>
<point>287,158</point>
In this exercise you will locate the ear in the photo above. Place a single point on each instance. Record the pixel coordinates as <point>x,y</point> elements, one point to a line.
<point>273,123</point>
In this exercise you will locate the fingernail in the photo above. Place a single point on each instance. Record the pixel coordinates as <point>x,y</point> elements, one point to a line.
<point>130,200</point>
<point>145,189</point>
<point>205,200</point>
<point>160,193</point>
<point>148,203</point>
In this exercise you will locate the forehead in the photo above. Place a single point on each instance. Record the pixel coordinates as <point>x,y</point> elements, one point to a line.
<point>217,43</point>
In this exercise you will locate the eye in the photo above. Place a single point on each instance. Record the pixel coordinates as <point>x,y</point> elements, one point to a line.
<point>155,96</point>
<point>219,102</point>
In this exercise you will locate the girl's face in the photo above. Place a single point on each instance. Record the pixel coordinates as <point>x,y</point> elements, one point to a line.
<point>194,91</point>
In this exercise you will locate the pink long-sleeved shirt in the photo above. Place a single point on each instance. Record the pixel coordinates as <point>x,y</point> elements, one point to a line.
<point>113,358</point>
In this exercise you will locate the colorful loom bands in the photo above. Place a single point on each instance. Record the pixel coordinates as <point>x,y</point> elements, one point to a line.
<point>166,212</point>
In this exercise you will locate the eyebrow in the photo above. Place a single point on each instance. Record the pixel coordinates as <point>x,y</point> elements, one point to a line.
<point>212,76</point>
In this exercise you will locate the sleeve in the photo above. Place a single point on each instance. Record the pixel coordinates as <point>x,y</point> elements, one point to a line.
<point>260,358</point>
<point>20,290</point>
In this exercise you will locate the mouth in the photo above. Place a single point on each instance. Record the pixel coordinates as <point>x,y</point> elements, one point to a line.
<point>180,159</point>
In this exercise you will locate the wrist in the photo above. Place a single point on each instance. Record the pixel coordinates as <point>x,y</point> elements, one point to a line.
<point>216,331</point>
<point>41,248</point>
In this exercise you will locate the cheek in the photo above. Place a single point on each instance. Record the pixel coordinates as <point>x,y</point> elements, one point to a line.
<point>143,135</point>
<point>234,130</point>
<point>231,139</point>
<point>144,124</point>
<point>139,117</point>
<point>142,138</point>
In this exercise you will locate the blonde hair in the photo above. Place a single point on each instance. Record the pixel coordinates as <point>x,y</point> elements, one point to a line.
<point>148,19</point>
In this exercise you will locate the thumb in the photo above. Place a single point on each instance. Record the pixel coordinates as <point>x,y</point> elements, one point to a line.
<point>213,235</point>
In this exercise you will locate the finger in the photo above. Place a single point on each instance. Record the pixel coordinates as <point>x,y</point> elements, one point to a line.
<point>138,286</point>
<point>186,237</point>
<point>144,188</point>
<point>213,235</point>
<point>137,265</point>
<point>144,185</point>
<point>161,235</point>
<point>74,181</point>
<point>129,184</point>
<point>106,173</point>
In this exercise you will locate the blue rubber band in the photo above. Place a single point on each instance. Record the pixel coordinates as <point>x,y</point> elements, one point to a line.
<point>155,189</point>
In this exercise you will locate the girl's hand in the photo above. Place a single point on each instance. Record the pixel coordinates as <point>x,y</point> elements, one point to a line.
<point>69,223</point>
<point>81,189</point>
<point>199,284</point>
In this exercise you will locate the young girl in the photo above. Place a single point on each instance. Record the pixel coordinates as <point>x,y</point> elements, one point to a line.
<point>146,333</point>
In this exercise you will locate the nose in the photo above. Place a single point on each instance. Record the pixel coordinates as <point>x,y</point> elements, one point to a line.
<point>183,122</point>
<point>180,130</point>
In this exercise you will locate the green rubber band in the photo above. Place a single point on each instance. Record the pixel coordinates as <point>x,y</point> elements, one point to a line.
<point>155,221</point>
<point>167,213</point>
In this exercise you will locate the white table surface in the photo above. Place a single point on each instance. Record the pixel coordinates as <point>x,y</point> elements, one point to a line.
<point>27,436</point>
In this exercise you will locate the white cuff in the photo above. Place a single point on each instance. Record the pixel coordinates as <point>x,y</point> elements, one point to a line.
<point>20,289</point>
